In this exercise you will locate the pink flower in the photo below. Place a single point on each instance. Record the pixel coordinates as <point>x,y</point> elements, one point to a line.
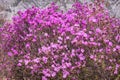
<point>68,64</point>
<point>91,39</point>
<point>53,74</point>
<point>57,69</point>
<point>102,56</point>
<point>46,34</point>
<point>64,66</point>
<point>34,40</point>
<point>82,33</point>
<point>20,61</point>
<point>48,41</point>
<point>46,72</point>
<point>100,50</point>
<point>10,54</point>
<point>98,30</point>
<point>114,49</point>
<point>81,57</point>
<point>67,37</point>
<point>39,50</point>
<point>82,50</point>
<point>44,59</point>
<point>116,71</point>
<point>54,45</point>
<point>76,25</point>
<point>84,22</point>
<point>92,56</point>
<point>93,19</point>
<point>109,68</point>
<point>27,45</point>
<point>117,47</point>
<point>26,62</point>
<point>19,64</point>
<point>110,43</point>
<point>29,35</point>
<point>60,38</point>
<point>44,78</point>
<point>36,60</point>
<point>85,42</point>
<point>65,73</point>
<point>14,51</point>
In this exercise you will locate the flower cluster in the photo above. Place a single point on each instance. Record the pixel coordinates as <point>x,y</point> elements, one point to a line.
<point>48,44</point>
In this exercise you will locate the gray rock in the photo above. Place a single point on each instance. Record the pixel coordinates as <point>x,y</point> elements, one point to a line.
<point>8,8</point>
<point>115,7</point>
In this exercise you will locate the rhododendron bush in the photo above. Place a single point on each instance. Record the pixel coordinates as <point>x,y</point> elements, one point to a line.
<point>82,43</point>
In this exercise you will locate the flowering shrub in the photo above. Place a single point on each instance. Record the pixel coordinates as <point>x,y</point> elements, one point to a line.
<point>47,44</point>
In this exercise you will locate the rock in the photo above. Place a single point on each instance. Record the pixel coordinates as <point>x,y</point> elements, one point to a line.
<point>8,8</point>
<point>115,7</point>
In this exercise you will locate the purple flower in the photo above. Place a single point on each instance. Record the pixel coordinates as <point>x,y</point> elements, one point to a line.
<point>117,47</point>
<point>84,22</point>
<point>19,64</point>
<point>98,30</point>
<point>68,64</point>
<point>93,19</point>
<point>116,71</point>
<point>82,50</point>
<point>44,59</point>
<point>92,56</point>
<point>91,39</point>
<point>46,72</point>
<point>27,45</point>
<point>26,62</point>
<point>81,57</point>
<point>39,50</point>
<point>50,42</point>
<point>46,34</point>
<point>10,54</point>
<point>44,78</point>
<point>56,68</point>
<point>14,51</point>
<point>82,33</point>
<point>37,60</point>
<point>53,74</point>
<point>65,73</point>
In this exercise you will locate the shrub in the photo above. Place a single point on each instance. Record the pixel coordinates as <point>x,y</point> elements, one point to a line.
<point>47,44</point>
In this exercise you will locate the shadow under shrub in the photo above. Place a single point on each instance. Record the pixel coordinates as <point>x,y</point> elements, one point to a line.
<point>47,44</point>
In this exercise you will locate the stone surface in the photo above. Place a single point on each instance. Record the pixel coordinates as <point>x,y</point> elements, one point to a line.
<point>8,8</point>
